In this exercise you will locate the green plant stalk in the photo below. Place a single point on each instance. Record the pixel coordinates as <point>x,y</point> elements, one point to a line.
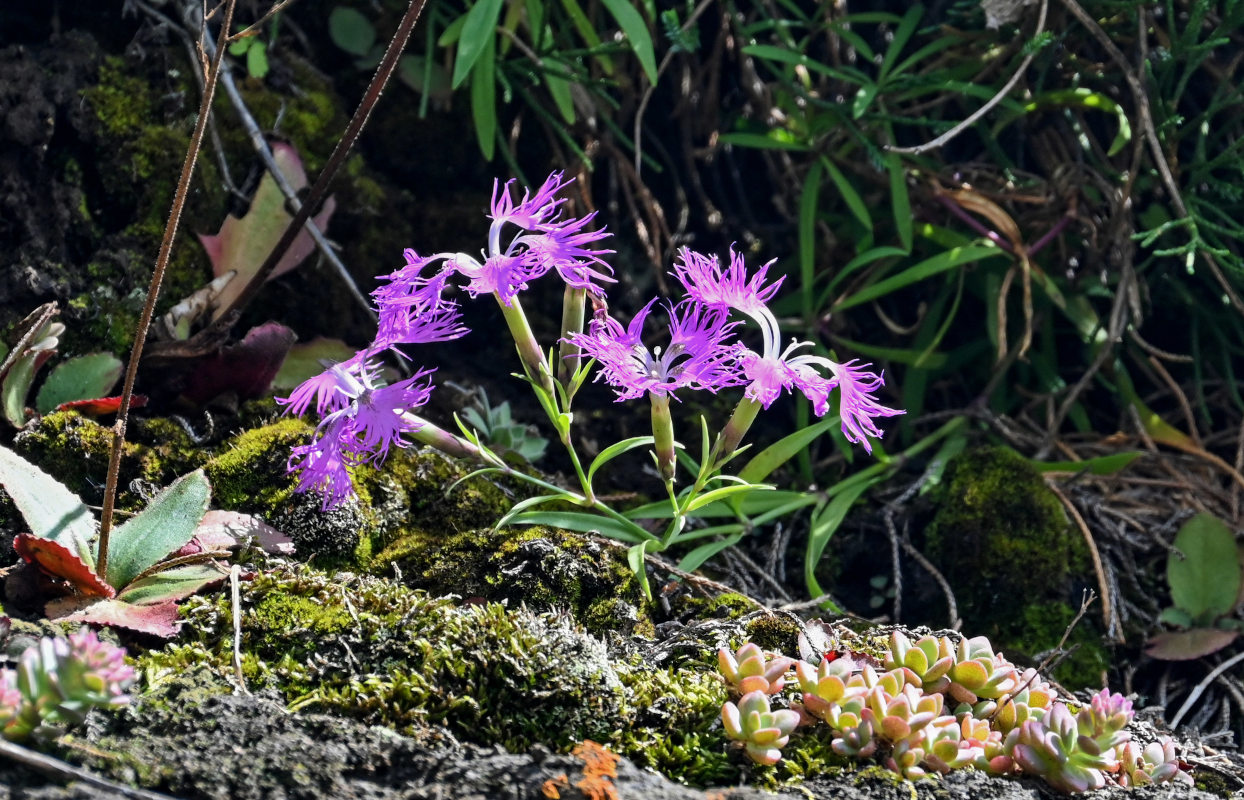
<point>732,434</point>
<point>574,304</point>
<point>441,439</point>
<point>153,292</point>
<point>536,364</point>
<point>663,436</point>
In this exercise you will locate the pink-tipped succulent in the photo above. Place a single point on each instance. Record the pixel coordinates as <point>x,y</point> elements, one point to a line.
<point>1156,762</point>
<point>58,680</point>
<point>762,731</point>
<point>928,659</point>
<point>1005,721</point>
<point>750,669</point>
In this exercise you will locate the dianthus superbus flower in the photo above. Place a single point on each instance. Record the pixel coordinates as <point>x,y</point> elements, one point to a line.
<point>698,355</point>
<point>361,419</point>
<point>772,369</point>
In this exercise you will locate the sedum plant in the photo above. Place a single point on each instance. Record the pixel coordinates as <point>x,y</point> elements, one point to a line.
<point>936,706</point>
<point>57,681</point>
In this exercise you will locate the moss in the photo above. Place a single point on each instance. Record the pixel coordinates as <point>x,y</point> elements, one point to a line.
<point>1211,782</point>
<point>544,568</point>
<point>1004,543</point>
<point>75,451</point>
<point>250,474</point>
<point>727,605</point>
<point>1042,626</point>
<point>369,649</point>
<point>778,633</point>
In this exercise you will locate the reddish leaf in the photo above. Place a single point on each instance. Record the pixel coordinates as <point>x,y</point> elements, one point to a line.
<point>220,530</point>
<point>1187,645</point>
<point>243,244</point>
<point>102,405</point>
<point>60,562</point>
<point>156,620</point>
<point>246,368</point>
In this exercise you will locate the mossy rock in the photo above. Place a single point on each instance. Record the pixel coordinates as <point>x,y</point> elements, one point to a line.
<point>376,651</point>
<point>545,568</point>
<point>1001,538</point>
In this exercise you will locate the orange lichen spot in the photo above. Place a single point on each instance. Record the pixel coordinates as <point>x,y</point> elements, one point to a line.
<point>552,788</point>
<point>600,767</point>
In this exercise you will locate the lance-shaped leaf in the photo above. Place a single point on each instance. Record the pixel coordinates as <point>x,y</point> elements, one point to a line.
<point>50,509</point>
<point>81,378</point>
<point>171,585</point>
<point>165,525</point>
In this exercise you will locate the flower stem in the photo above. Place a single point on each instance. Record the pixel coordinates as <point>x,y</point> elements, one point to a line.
<point>732,434</point>
<point>574,303</point>
<point>153,292</point>
<point>528,348</point>
<point>663,436</point>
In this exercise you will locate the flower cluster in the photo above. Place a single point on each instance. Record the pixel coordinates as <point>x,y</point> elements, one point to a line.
<point>57,681</point>
<point>935,706</point>
<point>361,416</point>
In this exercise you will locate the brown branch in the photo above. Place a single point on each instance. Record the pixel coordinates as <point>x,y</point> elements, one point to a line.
<point>153,292</point>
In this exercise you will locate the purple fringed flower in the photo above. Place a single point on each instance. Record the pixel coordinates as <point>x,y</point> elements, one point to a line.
<point>411,308</point>
<point>360,420</point>
<point>772,369</point>
<point>698,356</point>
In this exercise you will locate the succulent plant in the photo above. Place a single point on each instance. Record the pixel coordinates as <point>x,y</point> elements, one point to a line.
<point>58,680</point>
<point>1154,763</point>
<point>1062,749</point>
<point>750,669</point>
<point>1004,721</point>
<point>928,659</point>
<point>763,732</point>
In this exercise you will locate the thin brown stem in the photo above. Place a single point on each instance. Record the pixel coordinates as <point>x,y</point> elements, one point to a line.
<point>153,292</point>
<point>388,64</point>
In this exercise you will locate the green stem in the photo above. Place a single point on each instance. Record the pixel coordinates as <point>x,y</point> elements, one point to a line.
<point>663,436</point>
<point>574,302</point>
<point>733,432</point>
<point>528,348</point>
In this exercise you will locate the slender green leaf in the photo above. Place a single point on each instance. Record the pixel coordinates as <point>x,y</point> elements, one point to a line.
<point>899,199</point>
<point>584,523</point>
<point>808,200</point>
<point>692,561</point>
<point>172,584</point>
<point>724,492</point>
<point>1102,465</point>
<point>484,99</point>
<point>824,525</point>
<point>635,557</point>
<point>901,36</point>
<point>613,451</point>
<point>775,455</point>
<point>635,30</point>
<point>478,36</point>
<point>775,139</point>
<point>941,262</point>
<point>165,525</point>
<point>859,209</point>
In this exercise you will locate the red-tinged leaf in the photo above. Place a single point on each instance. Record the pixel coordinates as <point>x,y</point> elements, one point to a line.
<point>102,405</point>
<point>243,244</point>
<point>1187,645</point>
<point>156,620</point>
<point>221,530</point>
<point>173,584</point>
<point>60,562</point>
<point>246,368</point>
